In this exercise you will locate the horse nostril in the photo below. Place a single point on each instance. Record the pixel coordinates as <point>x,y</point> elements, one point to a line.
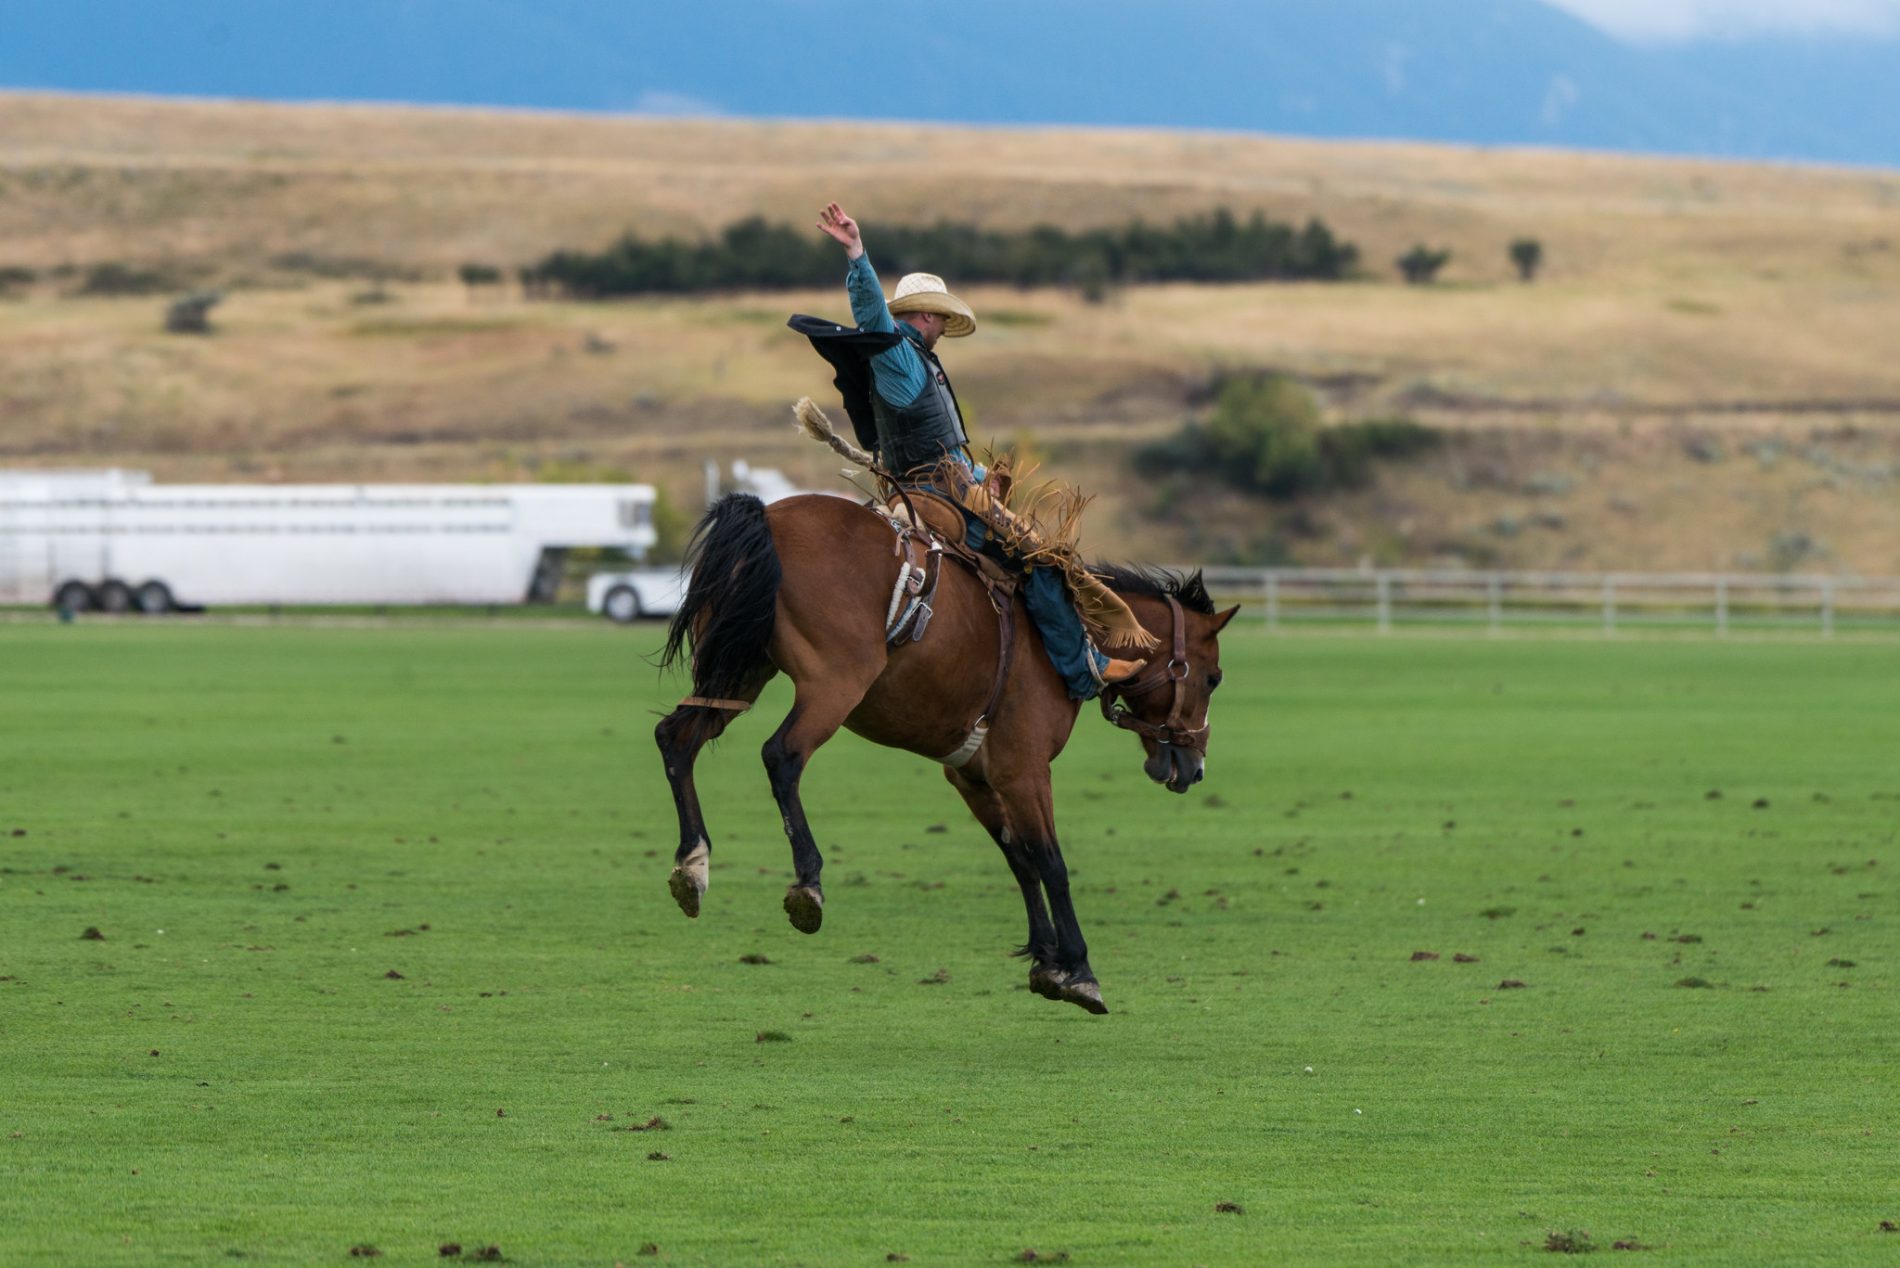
<point>1200,773</point>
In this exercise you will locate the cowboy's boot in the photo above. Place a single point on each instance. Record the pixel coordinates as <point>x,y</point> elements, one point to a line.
<point>1116,672</point>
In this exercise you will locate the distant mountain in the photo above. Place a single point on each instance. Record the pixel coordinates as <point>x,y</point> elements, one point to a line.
<point>1479,71</point>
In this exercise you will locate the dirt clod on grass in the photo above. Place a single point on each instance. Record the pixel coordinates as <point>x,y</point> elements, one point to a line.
<point>865,959</point>
<point>1423,955</point>
<point>1628,1243</point>
<point>365,1251</point>
<point>897,1257</point>
<point>1888,1226</point>
<point>753,957</point>
<point>1462,958</point>
<point>1230,1208</point>
<point>1030,1256</point>
<point>1510,984</point>
<point>393,976</point>
<point>654,1124</point>
<point>935,979</point>
<point>649,1249</point>
<point>1571,1241</point>
<point>771,1036</point>
<point>92,934</point>
<point>449,1250</point>
<point>488,1254</point>
<point>657,1156</point>
<point>1695,983</point>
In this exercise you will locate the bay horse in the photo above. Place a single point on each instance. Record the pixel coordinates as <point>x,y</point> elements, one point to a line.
<point>807,586</point>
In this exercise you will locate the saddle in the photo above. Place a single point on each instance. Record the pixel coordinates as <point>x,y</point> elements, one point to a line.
<point>928,527</point>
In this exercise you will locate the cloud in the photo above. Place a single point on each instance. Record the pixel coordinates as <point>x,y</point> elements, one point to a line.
<point>1671,21</point>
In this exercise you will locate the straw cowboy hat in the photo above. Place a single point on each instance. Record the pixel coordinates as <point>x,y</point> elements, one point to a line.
<point>925,293</point>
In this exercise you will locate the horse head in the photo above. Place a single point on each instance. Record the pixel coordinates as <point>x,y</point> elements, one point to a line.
<point>1167,704</point>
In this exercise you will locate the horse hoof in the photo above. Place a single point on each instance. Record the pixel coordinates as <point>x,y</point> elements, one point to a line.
<point>685,892</point>
<point>1086,995</point>
<point>688,881</point>
<point>806,907</point>
<point>1047,982</point>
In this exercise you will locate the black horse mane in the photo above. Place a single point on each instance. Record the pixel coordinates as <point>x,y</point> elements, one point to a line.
<point>1158,583</point>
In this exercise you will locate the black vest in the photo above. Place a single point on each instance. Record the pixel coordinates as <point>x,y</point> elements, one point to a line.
<point>921,433</point>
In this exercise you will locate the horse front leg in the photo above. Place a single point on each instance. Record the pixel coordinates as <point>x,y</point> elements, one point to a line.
<point>1028,805</point>
<point>1045,975</point>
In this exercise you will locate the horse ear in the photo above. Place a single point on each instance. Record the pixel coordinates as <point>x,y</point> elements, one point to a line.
<point>1222,618</point>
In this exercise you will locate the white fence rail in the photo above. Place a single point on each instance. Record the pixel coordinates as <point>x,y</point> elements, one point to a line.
<point>1496,601</point>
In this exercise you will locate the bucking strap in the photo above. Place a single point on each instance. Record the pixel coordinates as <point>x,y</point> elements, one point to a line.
<point>708,702</point>
<point>1005,606</point>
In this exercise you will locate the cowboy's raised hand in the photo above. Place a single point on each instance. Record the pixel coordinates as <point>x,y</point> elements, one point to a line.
<point>842,228</point>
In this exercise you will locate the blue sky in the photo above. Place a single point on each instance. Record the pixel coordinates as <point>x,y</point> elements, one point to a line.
<point>1791,79</point>
<point>1687,20</point>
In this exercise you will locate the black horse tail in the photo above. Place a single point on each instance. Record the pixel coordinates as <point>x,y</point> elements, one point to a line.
<point>732,602</point>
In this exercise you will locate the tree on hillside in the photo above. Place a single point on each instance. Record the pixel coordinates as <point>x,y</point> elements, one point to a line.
<point>1528,255</point>
<point>475,275</point>
<point>1420,265</point>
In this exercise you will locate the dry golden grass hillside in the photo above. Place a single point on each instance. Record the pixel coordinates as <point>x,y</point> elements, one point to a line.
<point>1705,375</point>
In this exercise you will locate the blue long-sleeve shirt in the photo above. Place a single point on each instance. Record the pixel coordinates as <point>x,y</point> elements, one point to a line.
<point>898,371</point>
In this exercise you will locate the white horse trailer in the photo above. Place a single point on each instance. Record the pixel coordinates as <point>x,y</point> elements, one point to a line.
<point>113,540</point>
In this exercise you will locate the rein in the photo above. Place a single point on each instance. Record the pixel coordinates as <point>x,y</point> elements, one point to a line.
<point>1173,674</point>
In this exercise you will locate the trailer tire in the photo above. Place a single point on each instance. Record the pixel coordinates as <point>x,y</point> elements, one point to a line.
<point>622,605</point>
<point>116,597</point>
<point>75,596</point>
<point>155,598</point>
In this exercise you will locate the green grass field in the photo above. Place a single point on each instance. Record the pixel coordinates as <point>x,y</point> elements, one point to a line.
<point>268,826</point>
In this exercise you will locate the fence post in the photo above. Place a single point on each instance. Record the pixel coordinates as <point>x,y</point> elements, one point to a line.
<point>1385,603</point>
<point>1827,609</point>
<point>1609,605</point>
<point>1273,602</point>
<point>1721,606</point>
<point>1494,602</point>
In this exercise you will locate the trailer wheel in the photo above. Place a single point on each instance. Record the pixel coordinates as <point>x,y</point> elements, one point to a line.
<point>155,599</point>
<point>75,596</point>
<point>622,604</point>
<point>115,596</point>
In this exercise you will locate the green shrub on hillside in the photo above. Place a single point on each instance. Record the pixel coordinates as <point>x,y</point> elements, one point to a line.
<point>1266,435</point>
<point>115,278</point>
<point>1420,265</point>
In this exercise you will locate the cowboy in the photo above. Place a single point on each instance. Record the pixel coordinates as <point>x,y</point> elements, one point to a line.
<point>917,425</point>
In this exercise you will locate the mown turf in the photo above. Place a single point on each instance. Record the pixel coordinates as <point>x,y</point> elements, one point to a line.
<point>269,825</point>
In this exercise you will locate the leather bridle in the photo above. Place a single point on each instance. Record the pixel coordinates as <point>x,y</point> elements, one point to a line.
<point>1172,674</point>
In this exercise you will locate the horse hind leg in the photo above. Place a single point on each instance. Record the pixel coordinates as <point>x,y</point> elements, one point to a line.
<point>819,709</point>
<point>681,734</point>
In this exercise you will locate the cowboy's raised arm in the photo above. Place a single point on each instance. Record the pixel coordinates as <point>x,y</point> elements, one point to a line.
<point>843,228</point>
<point>868,308</point>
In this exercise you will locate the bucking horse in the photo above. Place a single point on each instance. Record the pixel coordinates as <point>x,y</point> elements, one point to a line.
<point>882,635</point>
